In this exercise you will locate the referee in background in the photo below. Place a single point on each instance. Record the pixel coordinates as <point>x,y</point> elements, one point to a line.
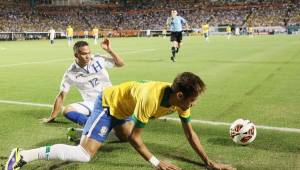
<point>174,24</point>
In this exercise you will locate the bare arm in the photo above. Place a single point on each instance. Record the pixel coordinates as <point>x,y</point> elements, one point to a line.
<point>56,108</point>
<point>138,144</point>
<point>194,141</point>
<point>117,59</point>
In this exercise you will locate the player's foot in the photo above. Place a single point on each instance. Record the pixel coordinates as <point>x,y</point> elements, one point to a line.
<point>173,59</point>
<point>15,160</point>
<point>74,134</point>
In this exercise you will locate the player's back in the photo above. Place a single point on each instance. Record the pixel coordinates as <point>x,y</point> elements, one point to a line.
<point>205,28</point>
<point>95,31</point>
<point>250,29</point>
<point>70,31</point>
<point>122,99</point>
<point>228,29</point>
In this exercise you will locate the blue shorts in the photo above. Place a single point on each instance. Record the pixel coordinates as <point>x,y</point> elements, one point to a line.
<point>100,123</point>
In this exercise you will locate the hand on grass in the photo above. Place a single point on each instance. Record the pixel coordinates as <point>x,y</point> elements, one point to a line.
<point>218,166</point>
<point>48,120</point>
<point>163,165</point>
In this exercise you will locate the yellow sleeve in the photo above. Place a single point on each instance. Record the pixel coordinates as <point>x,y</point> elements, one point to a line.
<point>185,116</point>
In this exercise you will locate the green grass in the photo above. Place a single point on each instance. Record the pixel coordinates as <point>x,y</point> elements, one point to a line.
<point>254,78</point>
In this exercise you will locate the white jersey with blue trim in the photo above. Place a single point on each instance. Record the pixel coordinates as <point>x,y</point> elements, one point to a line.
<point>90,80</point>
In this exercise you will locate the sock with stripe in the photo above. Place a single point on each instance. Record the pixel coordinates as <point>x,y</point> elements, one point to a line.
<point>57,152</point>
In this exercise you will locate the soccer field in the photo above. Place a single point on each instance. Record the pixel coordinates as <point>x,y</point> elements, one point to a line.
<point>251,78</point>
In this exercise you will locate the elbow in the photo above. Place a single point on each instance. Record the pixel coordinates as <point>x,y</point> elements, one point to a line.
<point>133,142</point>
<point>120,64</point>
<point>61,95</point>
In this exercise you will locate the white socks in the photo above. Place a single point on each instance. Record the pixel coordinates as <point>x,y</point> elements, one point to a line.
<point>58,151</point>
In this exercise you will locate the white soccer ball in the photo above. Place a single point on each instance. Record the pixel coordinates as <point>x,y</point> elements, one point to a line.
<point>242,131</point>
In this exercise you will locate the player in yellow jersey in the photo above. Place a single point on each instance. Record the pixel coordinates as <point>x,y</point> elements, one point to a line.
<point>164,33</point>
<point>250,31</point>
<point>228,32</point>
<point>114,109</point>
<point>95,34</point>
<point>86,34</point>
<point>205,31</point>
<point>69,32</point>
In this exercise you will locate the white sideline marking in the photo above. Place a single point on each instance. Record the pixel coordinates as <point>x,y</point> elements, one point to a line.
<point>169,118</point>
<point>37,62</point>
<point>52,61</point>
<point>25,103</point>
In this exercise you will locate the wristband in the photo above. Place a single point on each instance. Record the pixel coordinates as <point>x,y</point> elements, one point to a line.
<point>154,161</point>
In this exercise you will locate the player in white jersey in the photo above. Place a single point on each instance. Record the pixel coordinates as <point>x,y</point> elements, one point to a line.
<point>148,33</point>
<point>237,30</point>
<point>89,75</point>
<point>51,35</point>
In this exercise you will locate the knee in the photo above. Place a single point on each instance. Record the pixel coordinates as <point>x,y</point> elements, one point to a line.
<point>67,109</point>
<point>123,138</point>
<point>86,157</point>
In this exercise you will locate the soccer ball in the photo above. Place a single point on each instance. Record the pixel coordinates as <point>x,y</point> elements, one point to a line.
<point>242,131</point>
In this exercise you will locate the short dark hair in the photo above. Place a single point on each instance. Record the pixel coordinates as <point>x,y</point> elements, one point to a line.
<point>189,84</point>
<point>79,44</point>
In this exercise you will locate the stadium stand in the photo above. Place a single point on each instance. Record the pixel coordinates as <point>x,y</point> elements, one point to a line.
<point>21,16</point>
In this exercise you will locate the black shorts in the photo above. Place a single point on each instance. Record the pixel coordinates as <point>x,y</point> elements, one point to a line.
<point>176,36</point>
<point>206,35</point>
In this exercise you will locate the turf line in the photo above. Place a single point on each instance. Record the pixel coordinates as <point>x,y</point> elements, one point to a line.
<point>29,63</point>
<point>214,123</point>
<point>52,61</point>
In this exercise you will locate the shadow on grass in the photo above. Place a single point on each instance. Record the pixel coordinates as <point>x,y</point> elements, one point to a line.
<point>184,159</point>
<point>62,165</point>
<point>106,148</point>
<point>3,157</point>
<point>117,165</point>
<point>176,153</point>
<point>53,165</point>
<point>115,146</point>
<point>262,143</point>
<point>221,141</point>
<point>60,122</point>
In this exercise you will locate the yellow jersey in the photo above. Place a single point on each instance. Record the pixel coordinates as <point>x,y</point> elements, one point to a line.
<point>95,31</point>
<point>250,29</point>
<point>228,29</point>
<point>141,100</point>
<point>205,28</point>
<point>70,32</point>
